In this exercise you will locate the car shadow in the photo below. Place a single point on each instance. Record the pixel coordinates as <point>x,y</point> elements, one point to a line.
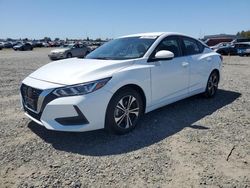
<point>154,127</point>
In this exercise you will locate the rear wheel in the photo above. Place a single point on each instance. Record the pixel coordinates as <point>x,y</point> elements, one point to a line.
<point>124,111</point>
<point>212,84</point>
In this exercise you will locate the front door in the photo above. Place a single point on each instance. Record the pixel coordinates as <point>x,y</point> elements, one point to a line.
<point>170,78</point>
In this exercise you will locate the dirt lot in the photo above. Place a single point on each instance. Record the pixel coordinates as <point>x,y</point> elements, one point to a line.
<point>196,142</point>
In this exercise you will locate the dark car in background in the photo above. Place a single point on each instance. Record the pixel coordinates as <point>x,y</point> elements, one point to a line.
<point>23,47</point>
<point>1,45</point>
<point>243,49</point>
<point>37,44</point>
<point>227,50</point>
<point>233,49</point>
<point>8,45</point>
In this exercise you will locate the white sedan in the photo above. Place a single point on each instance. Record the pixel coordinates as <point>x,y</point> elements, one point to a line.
<point>120,81</point>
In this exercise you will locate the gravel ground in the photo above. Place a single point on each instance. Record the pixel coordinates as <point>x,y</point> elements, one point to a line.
<point>195,142</point>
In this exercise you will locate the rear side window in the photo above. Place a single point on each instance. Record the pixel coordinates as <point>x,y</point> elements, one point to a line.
<point>201,46</point>
<point>192,46</point>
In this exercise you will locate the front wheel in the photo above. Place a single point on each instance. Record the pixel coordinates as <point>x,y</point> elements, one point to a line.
<point>124,111</point>
<point>69,55</point>
<point>212,84</point>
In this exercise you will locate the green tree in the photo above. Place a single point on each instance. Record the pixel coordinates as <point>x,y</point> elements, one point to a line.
<point>244,34</point>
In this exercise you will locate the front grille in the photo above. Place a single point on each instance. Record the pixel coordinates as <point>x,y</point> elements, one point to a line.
<point>30,96</point>
<point>28,93</point>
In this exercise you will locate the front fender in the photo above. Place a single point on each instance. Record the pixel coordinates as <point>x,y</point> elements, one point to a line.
<point>138,75</point>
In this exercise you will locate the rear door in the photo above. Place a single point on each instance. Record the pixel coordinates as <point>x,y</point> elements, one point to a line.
<point>75,50</point>
<point>83,50</point>
<point>199,62</point>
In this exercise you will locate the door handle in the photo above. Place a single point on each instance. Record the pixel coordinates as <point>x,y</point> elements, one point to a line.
<point>185,64</point>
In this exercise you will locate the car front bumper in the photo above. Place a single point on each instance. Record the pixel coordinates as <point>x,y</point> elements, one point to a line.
<point>55,56</point>
<point>73,114</point>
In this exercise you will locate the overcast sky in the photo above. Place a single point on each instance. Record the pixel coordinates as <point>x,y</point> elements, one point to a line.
<point>112,18</point>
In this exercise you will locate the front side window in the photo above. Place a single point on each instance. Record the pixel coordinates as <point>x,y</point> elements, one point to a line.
<point>192,46</point>
<point>123,48</point>
<point>170,44</point>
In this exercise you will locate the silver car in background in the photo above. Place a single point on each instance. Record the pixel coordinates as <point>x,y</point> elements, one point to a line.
<point>68,51</point>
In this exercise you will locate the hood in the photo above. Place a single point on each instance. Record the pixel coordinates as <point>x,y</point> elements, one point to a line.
<point>75,70</point>
<point>59,50</point>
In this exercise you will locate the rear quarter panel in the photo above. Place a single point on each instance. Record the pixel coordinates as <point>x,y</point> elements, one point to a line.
<point>216,62</point>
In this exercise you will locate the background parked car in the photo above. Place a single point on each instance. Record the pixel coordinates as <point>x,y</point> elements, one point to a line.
<point>1,45</point>
<point>8,45</point>
<point>23,47</point>
<point>243,49</point>
<point>54,44</point>
<point>36,44</point>
<point>227,50</point>
<point>232,49</point>
<point>68,51</point>
<point>220,45</point>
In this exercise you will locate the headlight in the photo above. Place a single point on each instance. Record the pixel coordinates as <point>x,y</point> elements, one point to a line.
<point>81,89</point>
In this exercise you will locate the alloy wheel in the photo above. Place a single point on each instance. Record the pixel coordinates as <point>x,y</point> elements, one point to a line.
<point>126,112</point>
<point>213,84</point>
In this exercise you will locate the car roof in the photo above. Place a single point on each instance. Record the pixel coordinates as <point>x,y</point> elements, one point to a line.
<point>152,34</point>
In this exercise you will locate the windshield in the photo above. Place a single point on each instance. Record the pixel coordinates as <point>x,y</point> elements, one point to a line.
<point>123,48</point>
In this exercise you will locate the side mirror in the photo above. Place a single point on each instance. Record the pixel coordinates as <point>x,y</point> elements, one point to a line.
<point>162,55</point>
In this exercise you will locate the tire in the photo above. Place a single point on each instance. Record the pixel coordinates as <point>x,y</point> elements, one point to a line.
<point>69,55</point>
<point>121,117</point>
<point>212,85</point>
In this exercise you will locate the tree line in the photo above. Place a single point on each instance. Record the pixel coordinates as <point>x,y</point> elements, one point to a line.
<point>244,34</point>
